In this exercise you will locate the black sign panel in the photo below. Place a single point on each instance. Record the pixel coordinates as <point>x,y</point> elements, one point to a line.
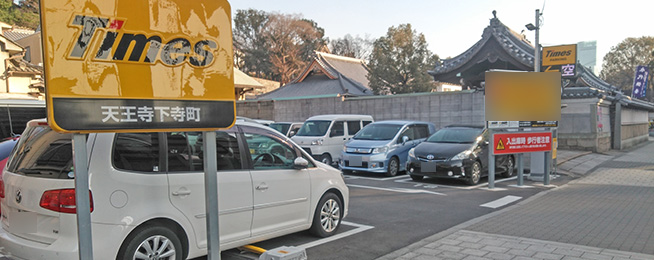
<point>539,124</point>
<point>78,114</point>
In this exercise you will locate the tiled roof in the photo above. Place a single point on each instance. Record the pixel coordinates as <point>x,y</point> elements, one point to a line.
<point>327,75</point>
<point>17,34</point>
<point>513,43</point>
<point>19,65</point>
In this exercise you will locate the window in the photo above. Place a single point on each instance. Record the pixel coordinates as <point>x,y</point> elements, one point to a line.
<point>338,129</point>
<point>365,123</point>
<point>28,54</point>
<point>269,153</point>
<point>408,132</point>
<point>186,152</point>
<point>421,131</point>
<point>43,153</point>
<point>353,127</point>
<point>136,152</point>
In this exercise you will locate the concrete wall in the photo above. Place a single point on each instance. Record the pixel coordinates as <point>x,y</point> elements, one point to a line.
<point>634,128</point>
<point>585,125</point>
<point>441,108</point>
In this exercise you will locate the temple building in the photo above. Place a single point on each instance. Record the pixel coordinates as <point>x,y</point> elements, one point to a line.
<point>595,115</point>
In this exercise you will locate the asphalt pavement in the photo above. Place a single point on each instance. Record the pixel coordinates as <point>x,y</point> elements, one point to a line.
<point>605,213</point>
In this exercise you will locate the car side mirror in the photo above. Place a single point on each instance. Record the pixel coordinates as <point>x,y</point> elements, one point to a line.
<point>300,163</point>
<point>405,139</point>
<point>292,133</point>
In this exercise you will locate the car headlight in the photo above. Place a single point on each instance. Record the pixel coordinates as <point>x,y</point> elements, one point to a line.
<point>344,148</point>
<point>412,153</point>
<point>380,149</point>
<point>462,155</point>
<point>316,142</point>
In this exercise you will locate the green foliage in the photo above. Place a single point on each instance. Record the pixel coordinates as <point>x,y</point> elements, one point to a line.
<point>275,46</point>
<point>399,62</point>
<point>619,65</point>
<point>26,14</point>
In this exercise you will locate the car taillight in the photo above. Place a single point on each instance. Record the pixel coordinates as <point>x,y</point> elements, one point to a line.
<point>2,188</point>
<point>2,191</point>
<point>61,200</point>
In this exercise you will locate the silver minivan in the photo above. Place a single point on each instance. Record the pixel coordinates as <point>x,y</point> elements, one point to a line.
<point>383,146</point>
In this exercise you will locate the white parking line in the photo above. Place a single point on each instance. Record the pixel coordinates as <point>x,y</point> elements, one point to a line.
<point>460,187</point>
<point>501,202</point>
<point>360,228</point>
<point>400,190</point>
<point>375,179</point>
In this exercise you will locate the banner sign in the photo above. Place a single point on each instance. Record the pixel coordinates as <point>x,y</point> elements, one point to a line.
<point>640,82</point>
<point>134,66</point>
<point>522,142</point>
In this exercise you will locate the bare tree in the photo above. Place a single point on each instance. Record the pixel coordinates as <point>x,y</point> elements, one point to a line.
<point>619,65</point>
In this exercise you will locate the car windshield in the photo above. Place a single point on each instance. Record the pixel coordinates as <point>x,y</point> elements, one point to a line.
<point>378,132</point>
<point>314,128</point>
<point>281,127</point>
<point>455,135</point>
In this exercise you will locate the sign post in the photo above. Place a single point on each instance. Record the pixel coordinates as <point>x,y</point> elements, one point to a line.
<point>123,66</point>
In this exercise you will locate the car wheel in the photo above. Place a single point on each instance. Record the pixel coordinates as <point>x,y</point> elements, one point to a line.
<point>393,167</point>
<point>510,168</point>
<point>328,216</point>
<point>326,159</point>
<point>152,242</point>
<point>416,177</point>
<point>475,174</point>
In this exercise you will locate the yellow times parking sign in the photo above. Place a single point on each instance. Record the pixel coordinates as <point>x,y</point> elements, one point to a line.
<point>134,66</point>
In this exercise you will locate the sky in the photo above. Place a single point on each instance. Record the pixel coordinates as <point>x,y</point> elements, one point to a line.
<point>452,26</point>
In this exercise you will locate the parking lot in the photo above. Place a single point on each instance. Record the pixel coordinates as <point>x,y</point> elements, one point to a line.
<point>388,213</point>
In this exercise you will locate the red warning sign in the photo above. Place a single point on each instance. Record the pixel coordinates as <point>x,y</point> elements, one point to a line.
<point>522,142</point>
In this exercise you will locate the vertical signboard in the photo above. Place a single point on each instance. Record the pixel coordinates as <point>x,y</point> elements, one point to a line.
<point>128,66</point>
<point>640,82</point>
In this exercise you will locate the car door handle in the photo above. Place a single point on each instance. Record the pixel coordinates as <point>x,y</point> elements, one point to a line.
<point>262,187</point>
<point>181,193</point>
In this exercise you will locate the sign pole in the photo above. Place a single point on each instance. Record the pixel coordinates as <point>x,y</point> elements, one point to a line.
<point>82,198</point>
<point>521,170</point>
<point>491,162</point>
<point>211,194</point>
<point>546,175</point>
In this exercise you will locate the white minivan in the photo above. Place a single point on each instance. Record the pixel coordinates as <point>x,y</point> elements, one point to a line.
<point>323,136</point>
<point>147,193</point>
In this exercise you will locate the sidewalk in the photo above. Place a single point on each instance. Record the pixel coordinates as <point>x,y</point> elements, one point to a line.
<point>604,214</point>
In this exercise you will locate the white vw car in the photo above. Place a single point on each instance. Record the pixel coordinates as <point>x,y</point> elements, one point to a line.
<point>147,193</point>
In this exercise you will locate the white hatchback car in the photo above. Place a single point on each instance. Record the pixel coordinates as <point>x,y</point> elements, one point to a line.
<point>147,193</point>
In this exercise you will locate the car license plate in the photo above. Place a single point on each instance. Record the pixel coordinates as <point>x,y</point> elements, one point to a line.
<point>22,222</point>
<point>356,161</point>
<point>427,166</point>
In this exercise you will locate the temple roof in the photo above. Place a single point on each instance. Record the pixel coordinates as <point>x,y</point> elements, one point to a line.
<point>326,75</point>
<point>499,48</point>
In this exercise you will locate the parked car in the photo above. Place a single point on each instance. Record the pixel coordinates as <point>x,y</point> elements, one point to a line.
<point>148,188</point>
<point>288,129</point>
<point>456,152</point>
<point>383,146</point>
<point>324,136</point>
<point>6,146</point>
